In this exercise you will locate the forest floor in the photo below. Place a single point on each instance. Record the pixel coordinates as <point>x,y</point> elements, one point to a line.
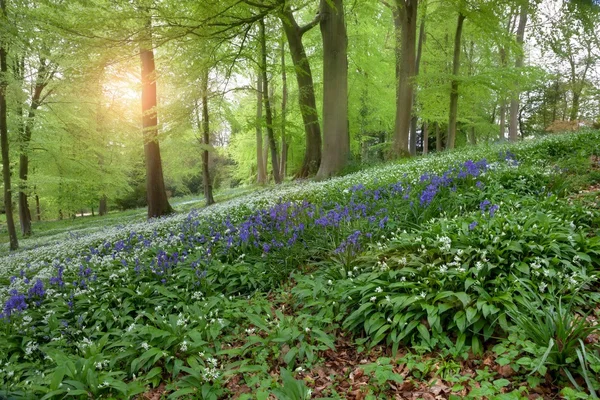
<point>52,230</point>
<point>468,274</point>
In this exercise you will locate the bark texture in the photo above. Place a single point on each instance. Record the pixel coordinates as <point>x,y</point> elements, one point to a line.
<point>405,24</point>
<point>206,181</point>
<point>336,142</point>
<point>306,92</point>
<point>451,137</point>
<point>414,119</point>
<point>514,102</point>
<point>10,222</point>
<point>103,206</point>
<point>158,204</point>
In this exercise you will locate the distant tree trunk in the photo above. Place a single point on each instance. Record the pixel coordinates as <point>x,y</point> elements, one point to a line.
<point>405,24</point>
<point>575,108</point>
<point>413,122</point>
<point>306,92</point>
<point>472,137</point>
<point>502,111</point>
<point>502,118</point>
<point>454,86</point>
<point>336,142</point>
<point>514,102</point>
<point>38,210</point>
<point>266,158</point>
<point>267,104</point>
<point>425,138</point>
<point>93,215</point>
<point>284,99</point>
<point>103,206</point>
<point>207,183</point>
<point>260,162</point>
<point>439,146</point>
<point>158,204</point>
<point>10,222</point>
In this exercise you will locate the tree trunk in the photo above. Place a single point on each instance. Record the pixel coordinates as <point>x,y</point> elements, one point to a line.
<point>260,162</point>
<point>502,119</point>
<point>425,138</point>
<point>206,182</point>
<point>38,210</point>
<point>10,222</point>
<point>405,27</point>
<point>158,204</point>
<point>284,98</point>
<point>439,146</point>
<point>24,141</point>
<point>575,108</point>
<point>413,122</point>
<point>454,86</point>
<point>336,143</point>
<point>514,102</point>
<point>267,104</point>
<point>103,206</point>
<point>472,137</point>
<point>306,93</point>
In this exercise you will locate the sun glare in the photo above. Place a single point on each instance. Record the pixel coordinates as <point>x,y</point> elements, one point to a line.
<point>121,85</point>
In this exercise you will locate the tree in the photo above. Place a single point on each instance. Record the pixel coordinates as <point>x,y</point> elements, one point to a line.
<point>260,163</point>
<point>158,204</point>
<point>413,122</point>
<point>336,141</point>
<point>454,84</point>
<point>206,181</point>
<point>267,103</point>
<point>514,102</point>
<point>284,99</point>
<point>306,91</point>
<point>405,23</point>
<point>12,233</point>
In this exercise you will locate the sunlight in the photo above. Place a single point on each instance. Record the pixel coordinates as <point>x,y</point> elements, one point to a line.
<point>120,84</point>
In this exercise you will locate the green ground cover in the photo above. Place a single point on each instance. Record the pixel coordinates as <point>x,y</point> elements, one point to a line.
<point>471,274</point>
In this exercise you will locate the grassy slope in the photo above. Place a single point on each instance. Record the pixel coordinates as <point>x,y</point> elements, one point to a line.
<point>182,338</point>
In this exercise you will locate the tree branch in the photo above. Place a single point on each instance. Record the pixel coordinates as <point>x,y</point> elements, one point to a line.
<point>310,25</point>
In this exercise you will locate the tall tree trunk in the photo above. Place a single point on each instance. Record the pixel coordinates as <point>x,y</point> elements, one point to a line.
<point>425,138</point>
<point>267,104</point>
<point>24,141</point>
<point>103,206</point>
<point>514,102</point>
<point>284,99</point>
<point>260,162</point>
<point>454,86</point>
<point>336,142</point>
<point>158,204</point>
<point>439,145</point>
<point>413,122</point>
<point>207,183</point>
<point>502,111</point>
<point>405,27</point>
<point>10,222</point>
<point>306,92</point>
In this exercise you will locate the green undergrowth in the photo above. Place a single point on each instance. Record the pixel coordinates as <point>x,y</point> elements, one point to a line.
<point>489,290</point>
